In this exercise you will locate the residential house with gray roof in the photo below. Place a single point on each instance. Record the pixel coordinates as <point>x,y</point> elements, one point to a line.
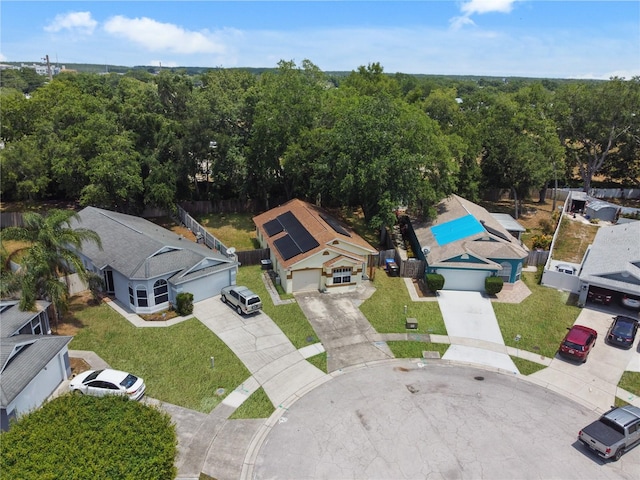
<point>144,266</point>
<point>612,262</point>
<point>33,363</point>
<point>466,244</point>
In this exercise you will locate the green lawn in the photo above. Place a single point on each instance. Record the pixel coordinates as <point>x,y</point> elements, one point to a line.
<point>232,229</point>
<point>386,313</point>
<point>175,362</point>
<point>414,349</point>
<point>526,367</point>
<point>288,317</point>
<point>541,320</point>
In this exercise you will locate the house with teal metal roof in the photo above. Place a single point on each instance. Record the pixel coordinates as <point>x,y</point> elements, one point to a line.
<point>466,244</point>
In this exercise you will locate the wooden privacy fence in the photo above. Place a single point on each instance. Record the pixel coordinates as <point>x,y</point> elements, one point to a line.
<point>253,257</point>
<point>537,257</point>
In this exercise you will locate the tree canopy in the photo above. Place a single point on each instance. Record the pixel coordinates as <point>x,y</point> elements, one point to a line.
<point>366,139</point>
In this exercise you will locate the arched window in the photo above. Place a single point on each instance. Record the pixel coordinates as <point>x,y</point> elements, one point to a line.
<point>141,296</point>
<point>161,291</point>
<point>505,273</point>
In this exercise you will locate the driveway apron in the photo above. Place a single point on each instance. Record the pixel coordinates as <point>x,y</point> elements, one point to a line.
<point>345,333</point>
<point>473,330</point>
<point>264,349</point>
<point>595,382</point>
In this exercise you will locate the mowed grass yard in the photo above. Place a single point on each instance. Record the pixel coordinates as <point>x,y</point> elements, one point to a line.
<point>174,361</point>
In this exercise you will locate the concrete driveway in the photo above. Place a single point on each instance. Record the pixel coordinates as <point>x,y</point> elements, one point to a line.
<point>395,420</point>
<point>274,363</point>
<point>473,330</point>
<point>344,331</point>
<point>594,382</point>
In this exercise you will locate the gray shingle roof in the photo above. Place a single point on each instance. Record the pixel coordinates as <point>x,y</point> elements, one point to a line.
<point>613,261</point>
<point>140,249</point>
<point>12,318</point>
<point>17,371</point>
<point>502,246</point>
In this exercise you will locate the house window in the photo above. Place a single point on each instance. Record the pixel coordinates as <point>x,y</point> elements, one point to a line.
<point>341,275</point>
<point>36,328</point>
<point>132,300</point>
<point>141,295</point>
<point>505,273</point>
<point>161,291</point>
<point>518,272</point>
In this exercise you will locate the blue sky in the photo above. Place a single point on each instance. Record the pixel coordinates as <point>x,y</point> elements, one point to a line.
<point>535,38</point>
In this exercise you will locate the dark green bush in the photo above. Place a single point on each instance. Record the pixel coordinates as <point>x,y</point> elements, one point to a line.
<point>435,281</point>
<point>493,285</point>
<point>184,303</point>
<point>79,437</point>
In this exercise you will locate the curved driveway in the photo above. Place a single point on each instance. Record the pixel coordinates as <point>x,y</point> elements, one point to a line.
<point>412,420</point>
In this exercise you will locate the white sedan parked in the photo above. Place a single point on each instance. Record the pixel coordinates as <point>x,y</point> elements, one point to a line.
<point>108,382</point>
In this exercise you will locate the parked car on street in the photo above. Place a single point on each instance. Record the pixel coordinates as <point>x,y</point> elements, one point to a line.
<point>631,301</point>
<point>578,342</point>
<point>108,382</point>
<point>622,331</point>
<point>599,295</point>
<point>613,433</point>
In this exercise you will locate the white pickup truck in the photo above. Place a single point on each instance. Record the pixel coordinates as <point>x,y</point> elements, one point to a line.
<point>243,299</point>
<point>613,433</point>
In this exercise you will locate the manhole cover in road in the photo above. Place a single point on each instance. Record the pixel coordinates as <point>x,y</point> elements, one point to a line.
<point>479,378</point>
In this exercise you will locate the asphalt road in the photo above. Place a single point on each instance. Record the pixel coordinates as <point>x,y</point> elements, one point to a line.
<point>410,420</point>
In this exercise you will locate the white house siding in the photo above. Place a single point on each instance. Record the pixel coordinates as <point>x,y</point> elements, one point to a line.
<point>42,385</point>
<point>471,280</point>
<point>306,280</point>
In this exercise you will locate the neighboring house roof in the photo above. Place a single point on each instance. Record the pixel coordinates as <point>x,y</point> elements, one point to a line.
<point>140,249</point>
<point>298,230</point>
<point>12,318</point>
<point>613,260</point>
<point>466,235</point>
<point>22,357</point>
<point>508,222</point>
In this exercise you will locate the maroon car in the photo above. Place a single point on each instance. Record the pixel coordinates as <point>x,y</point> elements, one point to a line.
<point>578,343</point>
<point>600,295</point>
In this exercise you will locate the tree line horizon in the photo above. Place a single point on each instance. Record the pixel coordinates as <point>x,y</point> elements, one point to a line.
<point>366,139</point>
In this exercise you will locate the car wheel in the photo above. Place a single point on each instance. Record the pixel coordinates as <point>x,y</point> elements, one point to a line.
<point>618,454</point>
<point>239,310</point>
<point>224,299</point>
<point>78,392</point>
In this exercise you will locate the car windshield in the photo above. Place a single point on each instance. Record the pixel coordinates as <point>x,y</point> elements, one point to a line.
<point>623,328</point>
<point>575,346</point>
<point>128,381</point>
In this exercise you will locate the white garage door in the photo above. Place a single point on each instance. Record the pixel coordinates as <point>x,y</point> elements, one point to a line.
<point>207,287</point>
<point>304,280</point>
<point>472,280</point>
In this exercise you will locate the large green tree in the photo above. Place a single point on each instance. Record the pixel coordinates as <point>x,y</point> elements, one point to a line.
<point>50,254</point>
<point>599,124</point>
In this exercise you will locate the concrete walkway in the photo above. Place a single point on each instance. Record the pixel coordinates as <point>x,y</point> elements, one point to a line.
<point>473,330</point>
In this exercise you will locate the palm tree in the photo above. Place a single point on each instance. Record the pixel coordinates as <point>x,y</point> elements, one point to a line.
<point>50,254</point>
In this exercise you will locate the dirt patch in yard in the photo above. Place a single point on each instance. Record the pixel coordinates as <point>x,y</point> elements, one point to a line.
<point>78,365</point>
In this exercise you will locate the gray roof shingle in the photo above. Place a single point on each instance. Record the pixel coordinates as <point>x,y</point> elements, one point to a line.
<point>140,249</point>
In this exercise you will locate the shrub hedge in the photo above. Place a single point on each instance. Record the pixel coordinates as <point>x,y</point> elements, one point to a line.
<point>493,285</point>
<point>435,281</point>
<point>82,437</point>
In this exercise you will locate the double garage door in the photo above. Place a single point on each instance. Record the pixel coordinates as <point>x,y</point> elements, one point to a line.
<point>471,280</point>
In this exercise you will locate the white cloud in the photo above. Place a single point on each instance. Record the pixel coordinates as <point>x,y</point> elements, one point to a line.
<point>156,36</point>
<point>73,21</point>
<point>486,6</point>
<point>2,57</point>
